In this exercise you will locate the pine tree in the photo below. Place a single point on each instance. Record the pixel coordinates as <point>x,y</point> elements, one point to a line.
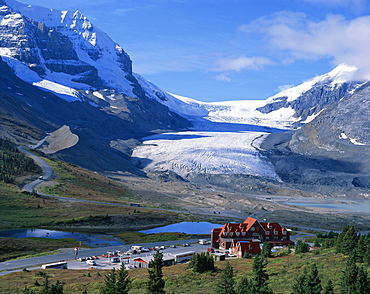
<point>202,262</point>
<point>116,282</point>
<point>260,278</point>
<point>362,282</point>
<point>366,258</point>
<point>266,250</point>
<point>349,240</point>
<point>329,288</point>
<point>245,286</point>
<point>156,282</point>
<point>360,249</point>
<point>302,247</point>
<point>312,284</point>
<point>349,277</point>
<point>298,286</point>
<point>226,282</point>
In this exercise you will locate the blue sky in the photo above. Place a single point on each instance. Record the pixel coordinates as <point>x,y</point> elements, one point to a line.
<point>216,50</point>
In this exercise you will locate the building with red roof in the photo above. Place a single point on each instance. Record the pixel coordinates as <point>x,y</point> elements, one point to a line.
<point>250,230</point>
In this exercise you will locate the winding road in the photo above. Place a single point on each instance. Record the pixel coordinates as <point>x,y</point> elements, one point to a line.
<point>46,169</point>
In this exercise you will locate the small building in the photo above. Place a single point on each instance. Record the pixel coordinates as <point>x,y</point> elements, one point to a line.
<point>219,256</point>
<point>143,261</point>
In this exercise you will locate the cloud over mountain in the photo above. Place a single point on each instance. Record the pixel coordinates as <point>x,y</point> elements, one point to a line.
<point>335,37</point>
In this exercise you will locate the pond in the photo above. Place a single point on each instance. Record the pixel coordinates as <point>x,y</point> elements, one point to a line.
<point>349,206</point>
<point>185,227</point>
<point>93,240</point>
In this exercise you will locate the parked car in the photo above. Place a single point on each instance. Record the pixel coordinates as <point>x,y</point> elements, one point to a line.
<point>144,249</point>
<point>90,262</point>
<point>173,246</point>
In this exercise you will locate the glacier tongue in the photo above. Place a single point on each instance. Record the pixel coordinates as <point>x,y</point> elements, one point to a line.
<point>212,150</point>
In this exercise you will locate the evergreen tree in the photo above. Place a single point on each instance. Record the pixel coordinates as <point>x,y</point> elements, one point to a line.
<point>260,279</point>
<point>226,282</point>
<point>298,286</point>
<point>362,282</point>
<point>116,282</point>
<point>202,262</point>
<point>349,277</point>
<point>347,240</point>
<point>244,286</point>
<point>302,247</point>
<point>266,250</point>
<point>156,282</point>
<point>366,258</point>
<point>312,284</point>
<point>329,288</point>
<point>360,249</point>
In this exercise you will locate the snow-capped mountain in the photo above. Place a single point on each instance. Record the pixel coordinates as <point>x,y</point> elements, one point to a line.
<point>68,89</point>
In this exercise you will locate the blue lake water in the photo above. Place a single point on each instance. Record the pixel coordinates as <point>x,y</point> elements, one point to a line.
<point>185,227</point>
<point>349,206</point>
<point>92,240</point>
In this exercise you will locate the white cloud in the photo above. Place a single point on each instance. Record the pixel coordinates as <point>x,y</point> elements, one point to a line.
<point>284,87</point>
<point>241,63</point>
<point>223,78</point>
<point>341,40</point>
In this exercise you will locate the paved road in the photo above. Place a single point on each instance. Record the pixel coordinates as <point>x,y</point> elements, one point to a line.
<point>36,262</point>
<point>46,169</point>
<point>48,174</point>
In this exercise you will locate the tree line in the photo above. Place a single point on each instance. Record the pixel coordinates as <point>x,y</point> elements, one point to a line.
<point>14,163</point>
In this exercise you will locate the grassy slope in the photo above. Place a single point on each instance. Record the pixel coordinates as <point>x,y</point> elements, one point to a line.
<point>25,210</point>
<point>282,270</point>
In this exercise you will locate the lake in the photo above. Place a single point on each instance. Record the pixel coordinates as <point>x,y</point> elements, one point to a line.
<point>185,227</point>
<point>93,240</point>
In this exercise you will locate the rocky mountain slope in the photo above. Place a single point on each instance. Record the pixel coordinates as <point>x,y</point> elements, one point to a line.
<point>332,150</point>
<point>58,70</point>
<point>69,90</point>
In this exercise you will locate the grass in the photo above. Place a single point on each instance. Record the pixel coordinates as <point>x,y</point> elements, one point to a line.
<point>282,271</point>
<point>29,247</point>
<point>76,182</point>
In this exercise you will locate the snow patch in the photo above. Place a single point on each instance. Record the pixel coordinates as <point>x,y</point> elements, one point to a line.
<point>354,141</point>
<point>64,92</point>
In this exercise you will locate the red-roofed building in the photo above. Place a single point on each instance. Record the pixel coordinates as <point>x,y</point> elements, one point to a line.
<point>239,248</point>
<point>250,229</point>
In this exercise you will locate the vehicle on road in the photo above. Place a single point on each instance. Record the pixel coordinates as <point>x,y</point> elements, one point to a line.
<point>60,264</point>
<point>179,257</point>
<point>90,262</point>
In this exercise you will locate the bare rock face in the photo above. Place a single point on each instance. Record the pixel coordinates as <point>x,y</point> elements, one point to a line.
<point>313,101</point>
<point>332,150</point>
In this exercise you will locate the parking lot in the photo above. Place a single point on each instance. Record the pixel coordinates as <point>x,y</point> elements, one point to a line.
<point>116,257</point>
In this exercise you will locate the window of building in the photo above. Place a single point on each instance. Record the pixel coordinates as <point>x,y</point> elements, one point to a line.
<point>267,232</point>
<point>284,232</point>
<point>243,233</point>
<point>276,232</point>
<point>253,228</point>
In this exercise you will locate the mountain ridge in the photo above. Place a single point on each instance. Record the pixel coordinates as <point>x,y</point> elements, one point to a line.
<point>61,72</point>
